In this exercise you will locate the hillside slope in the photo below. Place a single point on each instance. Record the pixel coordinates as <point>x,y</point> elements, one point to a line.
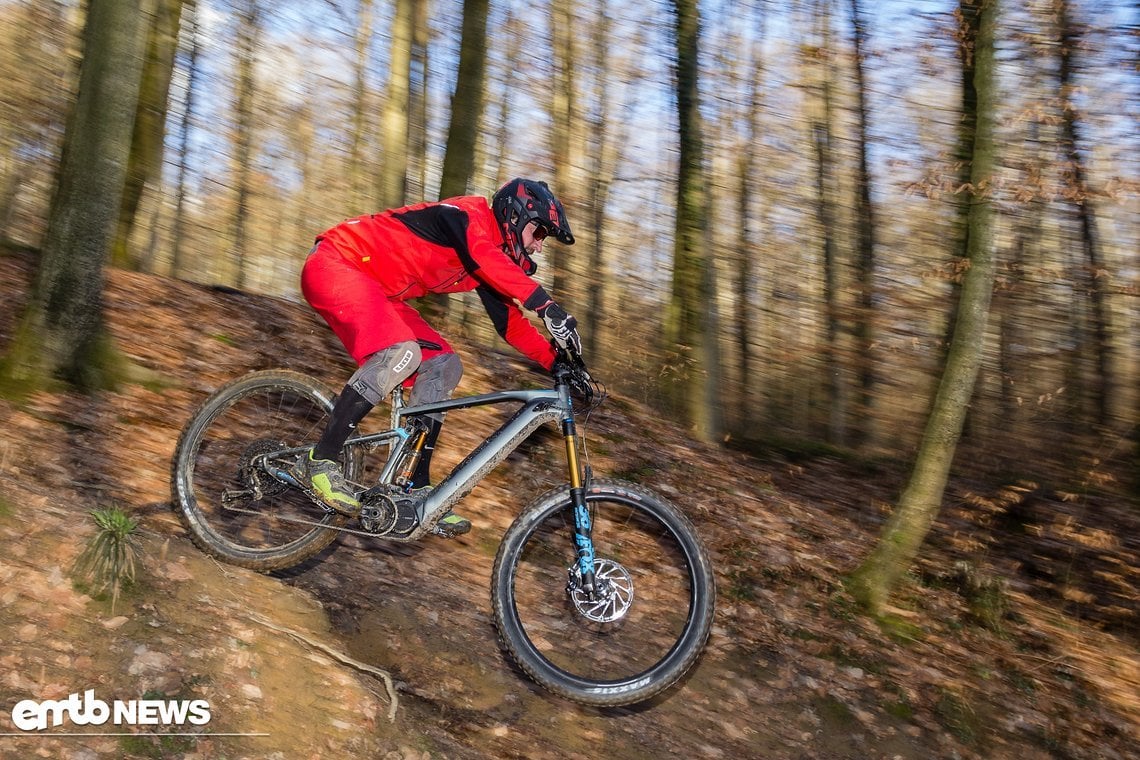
<point>1047,668</point>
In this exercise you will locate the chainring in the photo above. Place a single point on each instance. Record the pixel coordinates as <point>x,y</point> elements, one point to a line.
<point>385,512</point>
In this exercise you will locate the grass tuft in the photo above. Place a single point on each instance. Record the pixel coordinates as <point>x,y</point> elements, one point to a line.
<point>110,557</point>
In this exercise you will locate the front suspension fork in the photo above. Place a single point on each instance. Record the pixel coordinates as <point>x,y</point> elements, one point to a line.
<point>583,538</point>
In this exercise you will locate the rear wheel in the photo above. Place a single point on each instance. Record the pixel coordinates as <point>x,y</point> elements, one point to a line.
<point>643,627</point>
<point>234,509</point>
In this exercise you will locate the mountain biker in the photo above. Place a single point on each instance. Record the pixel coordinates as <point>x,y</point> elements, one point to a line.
<point>360,275</point>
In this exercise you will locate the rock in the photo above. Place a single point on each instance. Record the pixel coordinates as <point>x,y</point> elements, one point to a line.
<point>147,661</point>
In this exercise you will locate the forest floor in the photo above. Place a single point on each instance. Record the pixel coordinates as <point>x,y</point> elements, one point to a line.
<point>1016,637</point>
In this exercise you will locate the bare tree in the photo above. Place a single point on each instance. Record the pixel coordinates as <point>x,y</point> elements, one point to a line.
<point>568,148</point>
<point>466,101</point>
<point>394,134</point>
<point>920,502</point>
<point>62,332</point>
<point>608,134</point>
<point>865,243</point>
<point>179,224</point>
<point>150,124</point>
<point>821,124</point>
<point>418,106</point>
<point>361,169</point>
<point>1096,277</point>
<point>689,336</point>
<point>249,30</point>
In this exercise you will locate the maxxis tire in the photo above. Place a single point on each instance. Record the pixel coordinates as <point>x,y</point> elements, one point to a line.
<point>634,688</point>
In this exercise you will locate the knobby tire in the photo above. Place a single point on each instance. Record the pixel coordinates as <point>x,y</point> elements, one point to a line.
<point>604,664</point>
<point>266,409</point>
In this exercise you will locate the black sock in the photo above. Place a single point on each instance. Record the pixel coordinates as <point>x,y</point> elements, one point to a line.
<point>349,409</point>
<point>422,476</point>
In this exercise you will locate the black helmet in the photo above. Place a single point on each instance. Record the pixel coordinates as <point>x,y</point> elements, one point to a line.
<point>520,202</point>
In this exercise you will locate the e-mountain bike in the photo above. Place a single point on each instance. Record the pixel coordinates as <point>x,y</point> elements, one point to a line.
<point>601,590</point>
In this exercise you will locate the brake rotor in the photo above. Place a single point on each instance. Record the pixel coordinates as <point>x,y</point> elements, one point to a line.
<point>612,596</point>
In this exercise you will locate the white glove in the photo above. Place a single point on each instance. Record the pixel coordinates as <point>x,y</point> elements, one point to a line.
<point>562,327</point>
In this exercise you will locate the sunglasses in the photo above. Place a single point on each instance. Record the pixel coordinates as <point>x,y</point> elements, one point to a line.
<point>540,233</point>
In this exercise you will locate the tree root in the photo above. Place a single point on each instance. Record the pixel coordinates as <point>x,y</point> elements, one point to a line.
<point>340,657</point>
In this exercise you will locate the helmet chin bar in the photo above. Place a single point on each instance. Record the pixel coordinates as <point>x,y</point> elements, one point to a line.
<point>514,248</point>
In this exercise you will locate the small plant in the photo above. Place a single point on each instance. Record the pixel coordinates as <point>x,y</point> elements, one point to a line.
<point>108,560</point>
<point>957,715</point>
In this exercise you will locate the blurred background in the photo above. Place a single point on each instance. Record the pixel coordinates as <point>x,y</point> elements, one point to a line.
<point>825,144</point>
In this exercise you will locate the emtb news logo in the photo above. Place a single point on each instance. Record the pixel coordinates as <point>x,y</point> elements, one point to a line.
<point>30,715</point>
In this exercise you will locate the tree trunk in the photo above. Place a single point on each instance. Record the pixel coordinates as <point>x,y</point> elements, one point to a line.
<point>394,156</point>
<point>418,106</point>
<point>686,337</point>
<point>248,33</point>
<point>466,102</point>
<point>920,502</point>
<point>608,135</point>
<point>148,142</point>
<point>826,216</point>
<point>176,257</point>
<point>361,169</point>
<point>863,431</point>
<point>752,204</point>
<point>566,112</point>
<point>969,18</point>
<point>1097,277</point>
<point>62,332</point>
<point>503,169</point>
<point>466,112</point>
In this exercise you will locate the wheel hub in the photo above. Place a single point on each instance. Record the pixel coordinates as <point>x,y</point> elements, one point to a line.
<point>252,473</point>
<point>611,597</point>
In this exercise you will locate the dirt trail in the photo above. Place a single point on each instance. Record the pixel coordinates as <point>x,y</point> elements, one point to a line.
<point>792,671</point>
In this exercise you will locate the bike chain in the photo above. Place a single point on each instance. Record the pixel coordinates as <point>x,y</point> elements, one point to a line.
<point>436,531</point>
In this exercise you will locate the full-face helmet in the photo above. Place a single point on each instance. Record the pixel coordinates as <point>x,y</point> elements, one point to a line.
<point>520,202</point>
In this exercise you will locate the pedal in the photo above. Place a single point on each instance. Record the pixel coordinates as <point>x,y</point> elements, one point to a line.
<point>448,531</point>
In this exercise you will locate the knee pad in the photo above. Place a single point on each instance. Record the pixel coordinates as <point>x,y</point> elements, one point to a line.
<point>437,378</point>
<point>386,369</point>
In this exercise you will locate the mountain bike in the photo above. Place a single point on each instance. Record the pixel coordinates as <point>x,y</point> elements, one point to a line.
<point>601,590</point>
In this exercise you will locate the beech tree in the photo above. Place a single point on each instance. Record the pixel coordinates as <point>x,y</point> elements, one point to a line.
<point>920,501</point>
<point>466,101</point>
<point>145,164</point>
<point>865,243</point>
<point>394,134</point>
<point>61,333</point>
<point>249,30</point>
<point>689,336</point>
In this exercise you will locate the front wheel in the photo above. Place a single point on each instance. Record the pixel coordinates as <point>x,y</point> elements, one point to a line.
<point>232,507</point>
<point>644,626</point>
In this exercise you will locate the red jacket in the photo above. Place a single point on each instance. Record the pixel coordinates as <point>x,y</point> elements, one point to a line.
<point>452,246</point>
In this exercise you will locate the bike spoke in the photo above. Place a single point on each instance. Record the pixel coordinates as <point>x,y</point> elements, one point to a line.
<point>640,610</point>
<point>241,502</point>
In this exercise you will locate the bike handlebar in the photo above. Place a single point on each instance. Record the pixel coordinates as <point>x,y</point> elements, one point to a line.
<point>570,368</point>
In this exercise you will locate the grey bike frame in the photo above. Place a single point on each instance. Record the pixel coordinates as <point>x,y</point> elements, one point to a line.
<point>538,407</point>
